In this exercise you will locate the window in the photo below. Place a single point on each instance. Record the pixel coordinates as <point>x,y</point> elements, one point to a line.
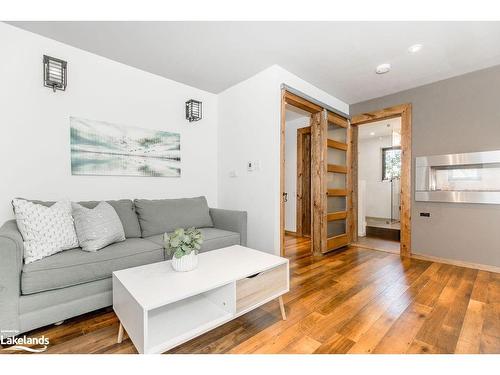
<point>391,163</point>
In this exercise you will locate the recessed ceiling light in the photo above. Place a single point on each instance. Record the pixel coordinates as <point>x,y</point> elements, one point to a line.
<point>372,134</point>
<point>382,68</point>
<point>415,48</point>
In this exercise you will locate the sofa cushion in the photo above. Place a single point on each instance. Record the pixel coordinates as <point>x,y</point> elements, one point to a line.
<point>97,227</point>
<point>75,266</point>
<point>45,230</point>
<point>165,215</point>
<point>123,207</point>
<point>213,238</point>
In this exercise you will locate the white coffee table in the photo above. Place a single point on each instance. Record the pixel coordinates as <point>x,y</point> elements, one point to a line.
<point>160,308</point>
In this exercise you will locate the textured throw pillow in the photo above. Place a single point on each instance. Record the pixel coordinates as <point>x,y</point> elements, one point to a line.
<point>45,230</point>
<point>97,227</point>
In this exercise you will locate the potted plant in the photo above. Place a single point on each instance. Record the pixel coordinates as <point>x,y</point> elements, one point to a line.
<point>184,245</point>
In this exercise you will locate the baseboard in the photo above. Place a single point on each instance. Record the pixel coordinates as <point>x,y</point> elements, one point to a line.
<point>460,263</point>
<point>290,233</point>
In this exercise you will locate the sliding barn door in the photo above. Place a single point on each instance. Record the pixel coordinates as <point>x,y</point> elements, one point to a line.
<point>331,182</point>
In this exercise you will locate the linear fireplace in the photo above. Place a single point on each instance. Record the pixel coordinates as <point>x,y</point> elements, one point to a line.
<point>472,177</point>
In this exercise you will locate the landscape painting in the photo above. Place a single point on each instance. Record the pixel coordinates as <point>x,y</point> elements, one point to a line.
<point>105,149</point>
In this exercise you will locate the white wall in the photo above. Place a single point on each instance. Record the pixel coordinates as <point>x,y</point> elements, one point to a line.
<point>34,121</point>
<point>249,129</point>
<point>291,170</point>
<point>378,192</point>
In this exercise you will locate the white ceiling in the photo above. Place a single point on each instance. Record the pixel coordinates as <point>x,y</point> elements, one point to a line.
<point>338,57</point>
<point>382,128</point>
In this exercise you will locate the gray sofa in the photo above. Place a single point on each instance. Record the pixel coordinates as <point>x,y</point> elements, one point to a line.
<point>74,281</point>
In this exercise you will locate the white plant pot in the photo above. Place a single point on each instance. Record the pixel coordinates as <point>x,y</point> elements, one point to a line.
<point>185,263</point>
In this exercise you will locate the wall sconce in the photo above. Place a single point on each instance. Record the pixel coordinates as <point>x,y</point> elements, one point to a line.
<point>193,110</point>
<point>54,73</point>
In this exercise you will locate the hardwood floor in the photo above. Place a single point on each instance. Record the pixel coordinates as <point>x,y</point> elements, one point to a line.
<point>378,244</point>
<point>353,301</point>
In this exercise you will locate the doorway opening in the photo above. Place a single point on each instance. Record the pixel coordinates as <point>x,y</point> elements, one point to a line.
<point>394,171</point>
<point>379,174</point>
<point>297,178</point>
<point>322,176</point>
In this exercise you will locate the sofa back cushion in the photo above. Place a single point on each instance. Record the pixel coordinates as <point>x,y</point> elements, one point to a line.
<point>165,215</point>
<point>123,207</point>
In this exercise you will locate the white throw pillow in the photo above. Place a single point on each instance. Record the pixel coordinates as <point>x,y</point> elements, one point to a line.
<point>97,227</point>
<point>45,230</point>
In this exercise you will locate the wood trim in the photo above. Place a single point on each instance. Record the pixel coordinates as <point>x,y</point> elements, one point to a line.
<point>337,168</point>
<point>338,145</point>
<point>291,233</point>
<point>282,171</point>
<point>382,114</point>
<point>336,216</point>
<point>482,267</point>
<point>306,130</point>
<point>354,184</point>
<point>319,127</point>
<point>349,185</point>
<point>337,120</point>
<point>337,192</point>
<point>303,198</point>
<point>403,111</point>
<point>300,193</point>
<point>299,102</point>
<point>337,241</point>
<point>406,160</point>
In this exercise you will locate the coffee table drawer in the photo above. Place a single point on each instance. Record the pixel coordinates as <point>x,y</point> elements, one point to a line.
<point>255,289</point>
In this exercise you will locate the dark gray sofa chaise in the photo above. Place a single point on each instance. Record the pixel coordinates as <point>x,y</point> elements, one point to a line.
<point>74,282</point>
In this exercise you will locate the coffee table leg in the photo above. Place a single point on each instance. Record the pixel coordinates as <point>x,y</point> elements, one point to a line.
<point>282,307</point>
<point>120,334</point>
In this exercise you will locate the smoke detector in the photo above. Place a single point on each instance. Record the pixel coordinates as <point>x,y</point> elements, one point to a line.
<point>383,68</point>
<point>415,48</point>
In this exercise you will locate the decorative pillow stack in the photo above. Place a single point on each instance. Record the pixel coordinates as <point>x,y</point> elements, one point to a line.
<point>45,230</point>
<point>97,227</point>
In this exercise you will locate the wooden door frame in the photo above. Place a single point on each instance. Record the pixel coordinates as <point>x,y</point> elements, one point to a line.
<point>403,111</point>
<point>295,101</point>
<point>302,133</point>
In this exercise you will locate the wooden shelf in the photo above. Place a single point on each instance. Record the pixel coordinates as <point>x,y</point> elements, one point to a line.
<point>338,145</point>
<point>337,168</point>
<point>337,192</point>
<point>336,215</point>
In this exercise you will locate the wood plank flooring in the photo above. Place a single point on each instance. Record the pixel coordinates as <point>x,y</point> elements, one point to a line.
<point>353,301</point>
<point>378,244</point>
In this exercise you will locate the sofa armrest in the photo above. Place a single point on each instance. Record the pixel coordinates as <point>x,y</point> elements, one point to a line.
<point>234,221</point>
<point>11,264</point>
